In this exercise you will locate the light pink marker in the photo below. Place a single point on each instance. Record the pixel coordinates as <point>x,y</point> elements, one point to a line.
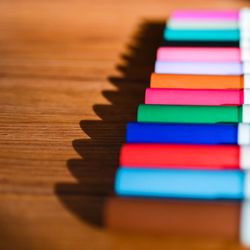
<point>198,54</point>
<point>206,14</point>
<point>197,97</point>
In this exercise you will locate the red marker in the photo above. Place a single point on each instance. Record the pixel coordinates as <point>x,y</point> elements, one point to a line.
<point>185,156</point>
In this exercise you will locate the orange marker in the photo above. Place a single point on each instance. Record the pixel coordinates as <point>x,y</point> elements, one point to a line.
<point>199,81</point>
<point>221,220</point>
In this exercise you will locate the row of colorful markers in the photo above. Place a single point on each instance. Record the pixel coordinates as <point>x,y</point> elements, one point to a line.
<point>184,168</point>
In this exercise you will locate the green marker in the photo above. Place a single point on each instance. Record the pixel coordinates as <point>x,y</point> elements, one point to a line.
<point>201,35</point>
<point>193,114</point>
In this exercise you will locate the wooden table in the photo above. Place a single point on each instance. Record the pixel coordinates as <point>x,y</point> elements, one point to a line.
<point>72,74</point>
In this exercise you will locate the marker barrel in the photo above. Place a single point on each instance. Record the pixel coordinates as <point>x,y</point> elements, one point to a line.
<point>226,15</point>
<point>221,220</point>
<point>197,97</point>
<point>189,43</point>
<point>185,156</point>
<point>210,24</point>
<point>188,133</point>
<point>201,35</point>
<point>205,54</point>
<point>202,68</point>
<point>193,114</point>
<point>193,218</point>
<point>199,81</point>
<point>184,184</point>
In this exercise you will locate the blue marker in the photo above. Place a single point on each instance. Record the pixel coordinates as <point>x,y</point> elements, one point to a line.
<point>238,134</point>
<point>186,184</point>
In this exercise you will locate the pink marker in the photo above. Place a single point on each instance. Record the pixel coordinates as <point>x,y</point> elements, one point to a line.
<point>196,54</point>
<point>197,97</point>
<point>206,14</point>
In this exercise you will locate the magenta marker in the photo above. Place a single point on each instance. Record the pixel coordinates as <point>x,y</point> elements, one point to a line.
<point>202,97</point>
<point>202,68</point>
<point>206,14</point>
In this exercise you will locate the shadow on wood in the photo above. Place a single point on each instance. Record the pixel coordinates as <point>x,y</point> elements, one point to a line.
<point>95,171</point>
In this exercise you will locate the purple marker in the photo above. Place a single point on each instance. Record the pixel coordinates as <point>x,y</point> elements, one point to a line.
<point>202,68</point>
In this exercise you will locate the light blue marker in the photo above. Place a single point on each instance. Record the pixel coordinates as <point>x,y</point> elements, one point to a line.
<point>187,184</point>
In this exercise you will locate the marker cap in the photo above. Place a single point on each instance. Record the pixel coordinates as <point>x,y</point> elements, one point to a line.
<point>244,12</point>
<point>247,185</point>
<point>204,68</point>
<point>246,68</point>
<point>246,81</point>
<point>246,113</point>
<point>244,42</point>
<point>245,54</point>
<point>245,213</point>
<point>245,159</point>
<point>245,221</point>
<point>243,134</point>
<point>246,99</point>
<point>244,22</point>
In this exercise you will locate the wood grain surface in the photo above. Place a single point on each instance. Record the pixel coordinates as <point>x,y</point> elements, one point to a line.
<point>72,74</point>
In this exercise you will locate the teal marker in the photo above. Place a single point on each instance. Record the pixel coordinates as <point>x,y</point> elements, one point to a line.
<point>193,114</point>
<point>201,34</point>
